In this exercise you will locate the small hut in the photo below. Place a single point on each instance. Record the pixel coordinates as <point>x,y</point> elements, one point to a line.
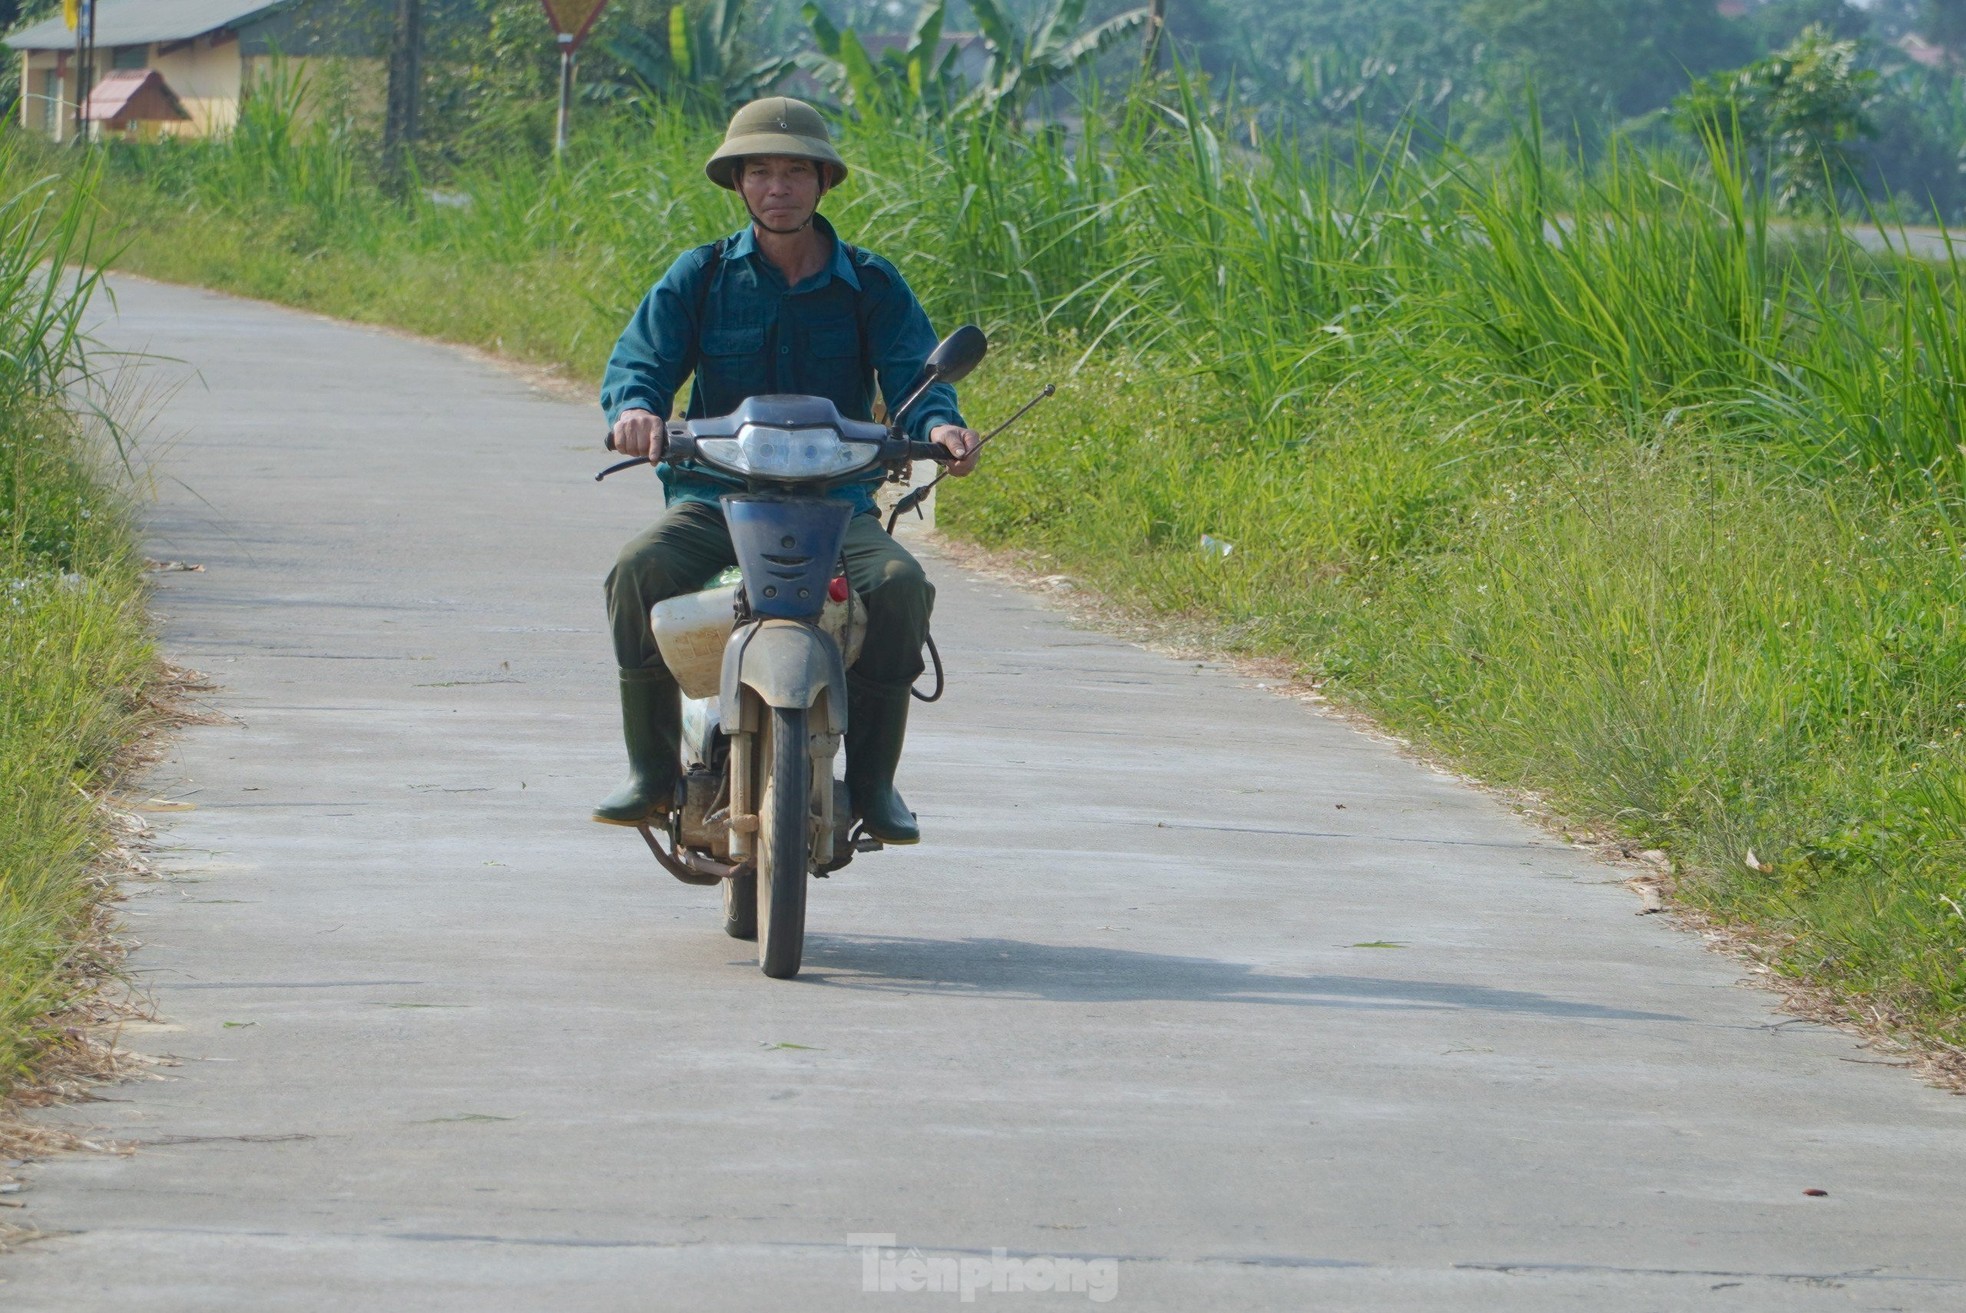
<point>133,102</point>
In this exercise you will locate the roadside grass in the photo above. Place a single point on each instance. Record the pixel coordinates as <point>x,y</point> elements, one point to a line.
<point>1733,665</point>
<point>1679,641</point>
<point>1594,479</point>
<point>74,660</point>
<point>75,654</point>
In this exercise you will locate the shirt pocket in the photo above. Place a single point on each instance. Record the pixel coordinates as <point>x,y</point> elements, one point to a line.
<point>727,342</point>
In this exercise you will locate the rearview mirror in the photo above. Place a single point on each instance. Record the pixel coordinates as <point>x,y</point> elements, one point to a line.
<point>955,355</point>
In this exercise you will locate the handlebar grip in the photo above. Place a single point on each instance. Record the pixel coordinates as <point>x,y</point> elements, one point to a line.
<point>934,451</point>
<point>678,442</point>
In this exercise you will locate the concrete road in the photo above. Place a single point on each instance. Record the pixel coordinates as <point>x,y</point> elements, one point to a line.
<point>1927,243</point>
<point>1194,998</point>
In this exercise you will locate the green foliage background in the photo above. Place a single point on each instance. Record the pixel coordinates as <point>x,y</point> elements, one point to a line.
<point>1315,70</point>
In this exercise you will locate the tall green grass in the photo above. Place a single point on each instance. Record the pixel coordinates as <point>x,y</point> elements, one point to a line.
<point>74,649</point>
<point>1638,285</point>
<point>1596,476</point>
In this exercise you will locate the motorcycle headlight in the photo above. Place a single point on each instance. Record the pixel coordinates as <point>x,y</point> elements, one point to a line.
<point>771,453</point>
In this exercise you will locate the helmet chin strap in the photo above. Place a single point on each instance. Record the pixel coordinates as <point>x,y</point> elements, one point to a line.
<point>779,232</point>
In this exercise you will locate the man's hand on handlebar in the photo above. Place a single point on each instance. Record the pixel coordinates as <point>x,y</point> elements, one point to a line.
<point>643,433</point>
<point>639,433</point>
<point>960,442</point>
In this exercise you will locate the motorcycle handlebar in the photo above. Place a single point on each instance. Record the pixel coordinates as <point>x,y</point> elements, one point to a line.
<point>680,444</point>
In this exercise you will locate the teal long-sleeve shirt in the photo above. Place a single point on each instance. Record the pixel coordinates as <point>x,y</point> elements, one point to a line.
<point>834,335</point>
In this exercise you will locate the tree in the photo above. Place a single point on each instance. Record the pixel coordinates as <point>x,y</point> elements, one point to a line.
<point>1050,50</point>
<point>1944,24</point>
<point>1595,63</point>
<point>1375,62</point>
<point>918,78</point>
<point>1465,64</point>
<point>1775,23</point>
<point>698,58</point>
<point>921,76</point>
<point>17,13</point>
<point>1915,153</point>
<point>1799,110</point>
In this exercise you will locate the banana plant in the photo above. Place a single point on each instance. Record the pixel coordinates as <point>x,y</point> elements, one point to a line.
<point>697,59</point>
<point>1053,49</point>
<point>919,78</point>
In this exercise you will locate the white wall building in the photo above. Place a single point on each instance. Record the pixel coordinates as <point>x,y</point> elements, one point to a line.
<point>206,52</point>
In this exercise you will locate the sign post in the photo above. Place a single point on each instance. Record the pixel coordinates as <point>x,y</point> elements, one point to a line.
<point>570,20</point>
<point>81,18</point>
<point>560,124</point>
<point>71,11</point>
<point>400,113</point>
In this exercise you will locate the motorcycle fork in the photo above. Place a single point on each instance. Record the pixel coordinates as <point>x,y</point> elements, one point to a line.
<point>823,738</point>
<point>743,778</point>
<point>824,732</point>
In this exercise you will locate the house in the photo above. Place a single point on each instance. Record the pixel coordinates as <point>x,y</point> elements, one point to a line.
<point>193,60</point>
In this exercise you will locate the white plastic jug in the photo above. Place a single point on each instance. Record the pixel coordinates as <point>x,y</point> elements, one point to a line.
<point>691,631</point>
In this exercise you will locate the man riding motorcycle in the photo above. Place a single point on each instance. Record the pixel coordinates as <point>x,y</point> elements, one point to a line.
<point>781,306</point>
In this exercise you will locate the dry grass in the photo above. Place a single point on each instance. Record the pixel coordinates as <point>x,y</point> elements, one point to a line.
<point>84,1050</point>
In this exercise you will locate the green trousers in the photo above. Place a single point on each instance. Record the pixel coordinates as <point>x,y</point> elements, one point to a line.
<point>690,545</point>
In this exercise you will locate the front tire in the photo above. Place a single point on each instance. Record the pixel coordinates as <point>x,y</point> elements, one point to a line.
<point>784,847</point>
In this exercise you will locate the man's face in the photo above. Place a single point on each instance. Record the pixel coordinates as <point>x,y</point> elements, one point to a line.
<point>781,190</point>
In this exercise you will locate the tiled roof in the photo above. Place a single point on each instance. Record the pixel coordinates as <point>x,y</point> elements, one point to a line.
<point>141,22</point>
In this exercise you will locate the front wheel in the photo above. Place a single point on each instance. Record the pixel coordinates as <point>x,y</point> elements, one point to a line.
<point>784,846</point>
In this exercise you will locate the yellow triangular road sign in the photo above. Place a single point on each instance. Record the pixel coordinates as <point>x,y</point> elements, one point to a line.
<point>570,18</point>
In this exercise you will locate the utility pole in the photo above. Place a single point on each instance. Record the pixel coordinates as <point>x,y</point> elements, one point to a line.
<point>399,124</point>
<point>85,58</point>
<point>1156,24</point>
<point>564,124</point>
<point>89,64</point>
<point>75,73</point>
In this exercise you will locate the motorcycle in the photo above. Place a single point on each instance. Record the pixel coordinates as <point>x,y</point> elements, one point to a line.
<point>761,653</point>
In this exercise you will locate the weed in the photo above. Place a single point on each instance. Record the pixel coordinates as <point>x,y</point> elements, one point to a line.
<point>74,648</point>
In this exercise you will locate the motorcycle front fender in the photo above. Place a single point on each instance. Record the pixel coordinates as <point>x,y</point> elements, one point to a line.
<point>784,663</point>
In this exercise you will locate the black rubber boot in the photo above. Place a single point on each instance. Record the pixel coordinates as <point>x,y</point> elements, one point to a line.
<point>652,725</point>
<point>876,724</point>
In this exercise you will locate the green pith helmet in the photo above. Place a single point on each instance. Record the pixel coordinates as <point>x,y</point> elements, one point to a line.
<point>776,125</point>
